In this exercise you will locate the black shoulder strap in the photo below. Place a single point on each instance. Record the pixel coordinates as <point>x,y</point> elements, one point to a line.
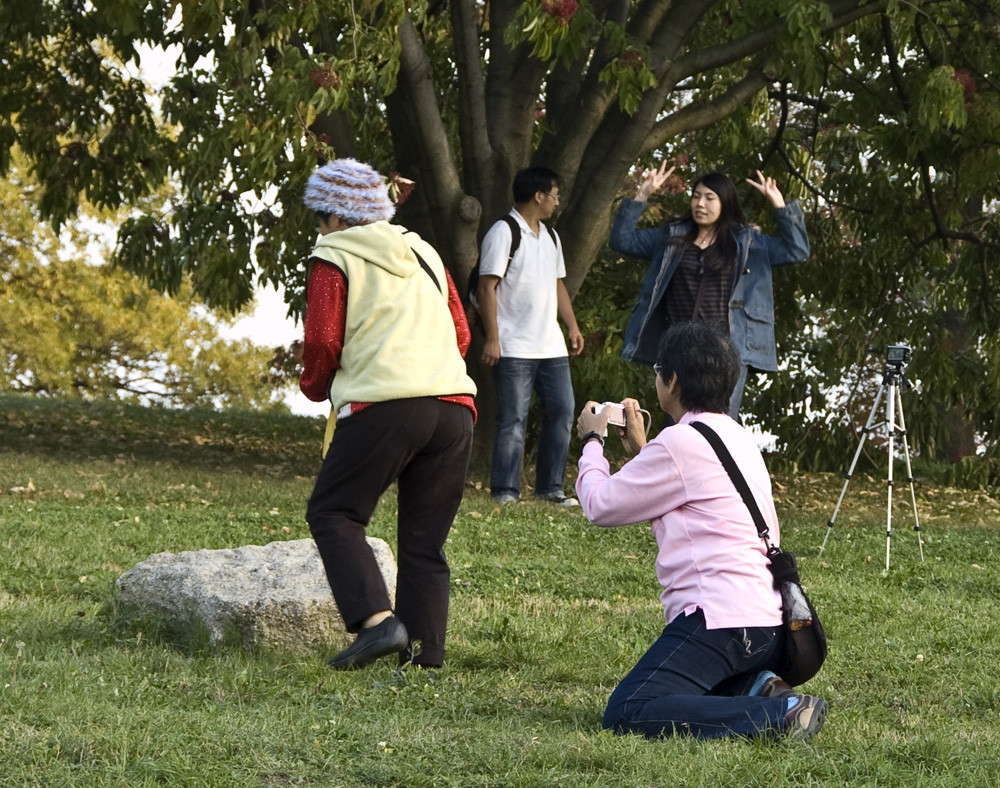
<point>515,243</point>
<point>737,476</point>
<point>423,264</point>
<point>427,268</point>
<point>515,237</point>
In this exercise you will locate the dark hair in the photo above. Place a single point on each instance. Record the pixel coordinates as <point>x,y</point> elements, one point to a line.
<point>705,361</point>
<point>532,180</point>
<point>325,216</point>
<point>723,255</point>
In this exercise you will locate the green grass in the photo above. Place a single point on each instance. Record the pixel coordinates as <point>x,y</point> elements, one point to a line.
<point>547,614</point>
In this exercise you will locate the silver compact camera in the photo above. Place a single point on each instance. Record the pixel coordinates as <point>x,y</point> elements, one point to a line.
<point>616,416</point>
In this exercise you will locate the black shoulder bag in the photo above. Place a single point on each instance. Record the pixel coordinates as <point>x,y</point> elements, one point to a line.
<point>805,640</point>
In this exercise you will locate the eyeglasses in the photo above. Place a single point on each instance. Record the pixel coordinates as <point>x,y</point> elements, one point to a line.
<point>553,196</point>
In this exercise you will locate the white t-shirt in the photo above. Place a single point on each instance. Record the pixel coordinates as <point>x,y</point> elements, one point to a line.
<point>527,304</point>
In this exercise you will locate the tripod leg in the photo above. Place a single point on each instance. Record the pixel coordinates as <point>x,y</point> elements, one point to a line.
<point>909,472</point>
<point>850,471</point>
<point>890,420</point>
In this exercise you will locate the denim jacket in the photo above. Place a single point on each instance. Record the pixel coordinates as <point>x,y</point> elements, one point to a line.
<point>751,305</point>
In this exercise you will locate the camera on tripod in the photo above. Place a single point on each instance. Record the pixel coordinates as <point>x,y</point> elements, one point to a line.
<point>898,355</point>
<point>893,382</point>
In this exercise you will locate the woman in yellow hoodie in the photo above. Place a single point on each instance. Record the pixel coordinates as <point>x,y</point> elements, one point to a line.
<point>385,337</point>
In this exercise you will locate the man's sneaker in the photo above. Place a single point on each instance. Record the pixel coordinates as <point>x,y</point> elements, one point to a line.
<point>505,498</point>
<point>805,718</point>
<point>776,687</point>
<point>559,499</point>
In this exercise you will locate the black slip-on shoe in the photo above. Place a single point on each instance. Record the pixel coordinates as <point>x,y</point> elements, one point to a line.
<point>386,637</point>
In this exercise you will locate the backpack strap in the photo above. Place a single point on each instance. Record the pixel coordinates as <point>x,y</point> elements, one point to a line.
<point>515,243</point>
<point>515,238</point>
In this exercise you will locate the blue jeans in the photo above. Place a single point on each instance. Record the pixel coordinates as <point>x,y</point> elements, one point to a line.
<point>694,681</point>
<point>514,379</point>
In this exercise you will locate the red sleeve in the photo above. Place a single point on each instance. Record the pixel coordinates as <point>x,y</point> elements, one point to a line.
<point>325,324</point>
<point>458,316</point>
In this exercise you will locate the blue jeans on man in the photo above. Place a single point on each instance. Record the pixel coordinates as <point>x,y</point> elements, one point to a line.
<point>514,380</point>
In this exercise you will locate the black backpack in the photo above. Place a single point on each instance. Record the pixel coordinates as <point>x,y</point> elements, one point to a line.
<point>515,242</point>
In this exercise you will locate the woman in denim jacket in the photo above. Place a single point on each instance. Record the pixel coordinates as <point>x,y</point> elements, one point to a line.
<point>709,267</point>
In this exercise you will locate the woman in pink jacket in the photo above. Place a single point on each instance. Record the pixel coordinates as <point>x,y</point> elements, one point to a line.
<point>710,673</point>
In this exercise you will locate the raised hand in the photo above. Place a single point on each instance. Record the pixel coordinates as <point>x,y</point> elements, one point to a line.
<point>769,188</point>
<point>653,181</point>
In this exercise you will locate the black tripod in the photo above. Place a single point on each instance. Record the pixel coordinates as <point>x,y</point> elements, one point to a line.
<point>890,387</point>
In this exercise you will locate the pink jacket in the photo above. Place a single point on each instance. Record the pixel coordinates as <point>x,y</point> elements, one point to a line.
<point>710,555</point>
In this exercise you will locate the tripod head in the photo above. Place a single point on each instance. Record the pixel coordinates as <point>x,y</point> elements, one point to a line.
<point>896,359</point>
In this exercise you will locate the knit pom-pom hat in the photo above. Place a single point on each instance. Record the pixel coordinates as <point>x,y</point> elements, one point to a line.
<point>350,190</point>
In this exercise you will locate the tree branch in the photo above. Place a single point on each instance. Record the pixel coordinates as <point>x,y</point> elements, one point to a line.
<point>650,20</point>
<point>782,97</point>
<point>809,101</point>
<point>698,115</point>
<point>594,99</point>
<point>843,11</point>
<point>419,133</point>
<point>513,85</point>
<point>941,231</point>
<point>415,85</point>
<point>473,124</point>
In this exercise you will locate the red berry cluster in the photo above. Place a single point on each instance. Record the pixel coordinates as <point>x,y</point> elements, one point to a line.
<point>325,77</point>
<point>675,184</point>
<point>561,10</point>
<point>968,82</point>
<point>631,58</point>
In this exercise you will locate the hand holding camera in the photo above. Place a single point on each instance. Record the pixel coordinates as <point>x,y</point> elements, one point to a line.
<point>625,416</point>
<point>616,413</point>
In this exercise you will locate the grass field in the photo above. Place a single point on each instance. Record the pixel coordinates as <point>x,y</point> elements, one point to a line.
<point>547,614</point>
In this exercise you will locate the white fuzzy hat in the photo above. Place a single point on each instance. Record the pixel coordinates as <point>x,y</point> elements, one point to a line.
<point>350,190</point>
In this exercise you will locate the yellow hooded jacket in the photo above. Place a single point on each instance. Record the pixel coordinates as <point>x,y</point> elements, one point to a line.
<point>400,339</point>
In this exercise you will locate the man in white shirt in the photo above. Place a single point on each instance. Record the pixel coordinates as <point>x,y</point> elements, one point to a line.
<point>520,298</point>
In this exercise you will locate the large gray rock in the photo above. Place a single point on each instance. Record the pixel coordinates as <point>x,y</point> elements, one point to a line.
<point>272,596</point>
